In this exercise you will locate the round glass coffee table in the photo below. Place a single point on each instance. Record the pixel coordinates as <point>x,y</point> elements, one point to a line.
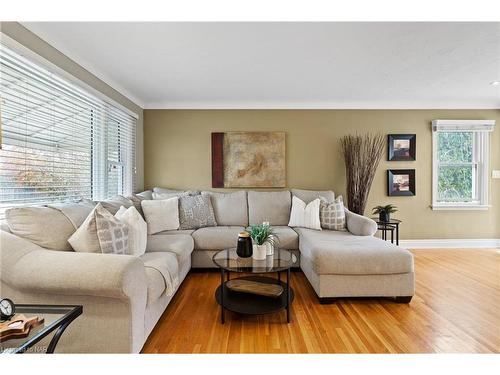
<point>249,302</point>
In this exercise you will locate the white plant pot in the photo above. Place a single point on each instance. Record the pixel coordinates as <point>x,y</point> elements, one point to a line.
<point>259,252</point>
<point>270,248</point>
<point>270,261</point>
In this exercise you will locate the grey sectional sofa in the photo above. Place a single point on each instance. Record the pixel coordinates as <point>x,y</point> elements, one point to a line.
<point>124,296</point>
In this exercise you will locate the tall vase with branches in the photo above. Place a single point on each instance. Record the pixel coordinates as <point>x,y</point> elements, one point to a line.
<point>362,154</point>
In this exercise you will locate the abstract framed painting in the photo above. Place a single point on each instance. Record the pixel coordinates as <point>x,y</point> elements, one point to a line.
<point>401,182</point>
<point>248,159</point>
<point>401,147</point>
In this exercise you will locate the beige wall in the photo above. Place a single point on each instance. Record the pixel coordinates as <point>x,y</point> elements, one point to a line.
<point>177,154</point>
<point>29,40</point>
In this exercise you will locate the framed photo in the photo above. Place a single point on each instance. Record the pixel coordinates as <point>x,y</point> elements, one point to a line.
<point>401,147</point>
<point>401,182</point>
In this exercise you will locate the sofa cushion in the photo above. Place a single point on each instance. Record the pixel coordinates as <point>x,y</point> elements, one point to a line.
<point>229,208</point>
<point>288,238</point>
<point>181,245</point>
<point>178,231</point>
<point>47,227</point>
<point>136,201</point>
<point>273,207</point>
<point>147,194</point>
<point>162,274</point>
<point>310,195</point>
<point>216,238</point>
<point>166,190</point>
<point>342,253</point>
<point>161,193</point>
<point>75,212</point>
<point>114,204</point>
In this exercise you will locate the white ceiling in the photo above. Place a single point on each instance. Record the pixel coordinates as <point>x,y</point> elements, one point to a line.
<point>288,65</point>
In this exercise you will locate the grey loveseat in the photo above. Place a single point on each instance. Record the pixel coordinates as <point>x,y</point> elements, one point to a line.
<point>124,296</point>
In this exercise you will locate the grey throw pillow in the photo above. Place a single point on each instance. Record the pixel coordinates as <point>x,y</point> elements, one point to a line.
<point>114,204</point>
<point>196,211</point>
<point>332,214</point>
<point>101,232</point>
<point>136,200</point>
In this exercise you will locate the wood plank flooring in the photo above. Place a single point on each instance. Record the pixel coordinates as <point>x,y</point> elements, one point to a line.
<point>456,310</point>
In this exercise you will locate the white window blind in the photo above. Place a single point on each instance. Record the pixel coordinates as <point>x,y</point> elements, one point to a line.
<point>59,142</point>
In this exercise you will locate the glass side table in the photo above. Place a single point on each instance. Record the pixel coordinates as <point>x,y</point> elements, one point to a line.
<point>252,304</point>
<point>389,226</point>
<point>56,318</point>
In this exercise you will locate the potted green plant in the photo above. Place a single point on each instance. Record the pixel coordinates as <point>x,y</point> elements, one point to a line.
<point>264,240</point>
<point>384,212</point>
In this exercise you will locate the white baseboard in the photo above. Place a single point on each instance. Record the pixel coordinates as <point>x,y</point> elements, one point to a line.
<point>489,243</point>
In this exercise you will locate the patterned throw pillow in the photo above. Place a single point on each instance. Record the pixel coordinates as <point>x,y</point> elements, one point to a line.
<point>136,200</point>
<point>112,234</point>
<point>196,211</point>
<point>101,232</point>
<point>332,214</point>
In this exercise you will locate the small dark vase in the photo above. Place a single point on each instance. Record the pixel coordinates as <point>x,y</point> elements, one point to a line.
<point>384,216</point>
<point>244,248</point>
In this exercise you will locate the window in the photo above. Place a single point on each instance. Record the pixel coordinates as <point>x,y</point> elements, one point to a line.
<point>460,163</point>
<point>59,142</point>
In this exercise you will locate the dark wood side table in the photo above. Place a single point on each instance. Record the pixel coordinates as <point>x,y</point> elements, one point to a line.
<point>389,226</point>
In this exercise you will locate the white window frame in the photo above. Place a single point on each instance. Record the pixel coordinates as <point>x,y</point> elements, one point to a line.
<point>481,130</point>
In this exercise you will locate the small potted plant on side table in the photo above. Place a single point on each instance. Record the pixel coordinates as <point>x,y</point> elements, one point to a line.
<point>384,212</point>
<point>264,240</point>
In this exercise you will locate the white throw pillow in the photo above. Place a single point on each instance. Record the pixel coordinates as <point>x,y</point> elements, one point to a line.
<point>101,232</point>
<point>137,230</point>
<point>305,216</point>
<point>161,214</point>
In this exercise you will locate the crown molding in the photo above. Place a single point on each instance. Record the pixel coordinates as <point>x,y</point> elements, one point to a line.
<point>320,105</point>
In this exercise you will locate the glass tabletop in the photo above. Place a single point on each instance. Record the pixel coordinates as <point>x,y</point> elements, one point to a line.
<point>53,317</point>
<point>391,221</point>
<point>281,260</point>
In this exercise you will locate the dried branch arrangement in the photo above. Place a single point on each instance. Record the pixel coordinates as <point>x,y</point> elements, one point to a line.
<point>362,155</point>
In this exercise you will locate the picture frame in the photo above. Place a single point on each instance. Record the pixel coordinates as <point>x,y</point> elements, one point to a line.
<point>401,182</point>
<point>401,147</point>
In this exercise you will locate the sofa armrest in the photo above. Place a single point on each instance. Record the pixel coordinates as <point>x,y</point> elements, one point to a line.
<point>360,225</point>
<point>71,273</point>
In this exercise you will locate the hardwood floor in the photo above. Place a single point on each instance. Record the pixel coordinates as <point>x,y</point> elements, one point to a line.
<point>456,309</point>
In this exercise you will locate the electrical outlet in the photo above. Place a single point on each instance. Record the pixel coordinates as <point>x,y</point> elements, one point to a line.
<point>495,174</point>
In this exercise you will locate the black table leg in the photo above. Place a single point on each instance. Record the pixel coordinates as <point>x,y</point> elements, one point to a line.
<point>288,295</point>
<point>222,320</point>
<point>397,234</point>
<point>58,334</point>
<point>392,236</point>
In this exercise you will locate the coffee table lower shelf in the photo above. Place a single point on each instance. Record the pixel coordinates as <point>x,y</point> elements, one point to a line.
<point>253,304</point>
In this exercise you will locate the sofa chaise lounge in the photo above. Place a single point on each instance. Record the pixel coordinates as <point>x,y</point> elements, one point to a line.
<point>124,296</point>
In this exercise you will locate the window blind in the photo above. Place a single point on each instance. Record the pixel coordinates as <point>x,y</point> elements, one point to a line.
<point>59,142</point>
